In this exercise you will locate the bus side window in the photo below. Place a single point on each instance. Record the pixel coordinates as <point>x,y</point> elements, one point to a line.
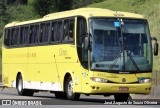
<point>37,29</point>
<point>47,32</point>
<point>26,35</point>
<point>44,33</point>
<point>14,36</point>
<point>31,34</point>
<point>42,29</point>
<point>7,37</point>
<point>66,30</point>
<point>53,31</point>
<point>59,34</point>
<point>71,29</point>
<point>21,35</point>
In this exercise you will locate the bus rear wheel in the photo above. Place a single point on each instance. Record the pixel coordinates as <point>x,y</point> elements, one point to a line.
<point>21,91</point>
<point>69,90</point>
<point>121,97</point>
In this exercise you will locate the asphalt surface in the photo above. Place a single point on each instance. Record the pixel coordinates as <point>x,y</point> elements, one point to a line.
<point>0,84</point>
<point>46,97</point>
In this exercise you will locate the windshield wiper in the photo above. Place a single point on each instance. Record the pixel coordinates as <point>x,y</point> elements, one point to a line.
<point>129,55</point>
<point>134,63</point>
<point>115,61</point>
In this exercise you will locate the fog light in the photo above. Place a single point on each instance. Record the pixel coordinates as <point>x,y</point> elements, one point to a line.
<point>97,88</point>
<point>93,87</point>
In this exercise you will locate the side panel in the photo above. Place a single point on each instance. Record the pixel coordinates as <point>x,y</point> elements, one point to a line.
<point>67,62</point>
<point>12,63</point>
<point>42,70</point>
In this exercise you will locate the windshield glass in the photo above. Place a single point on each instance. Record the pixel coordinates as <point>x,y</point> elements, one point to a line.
<point>120,45</point>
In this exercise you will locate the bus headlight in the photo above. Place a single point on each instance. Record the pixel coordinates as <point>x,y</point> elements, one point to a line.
<point>101,80</point>
<point>144,80</point>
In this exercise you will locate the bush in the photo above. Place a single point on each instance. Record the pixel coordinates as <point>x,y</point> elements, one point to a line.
<point>43,7</point>
<point>136,2</point>
<point>11,2</point>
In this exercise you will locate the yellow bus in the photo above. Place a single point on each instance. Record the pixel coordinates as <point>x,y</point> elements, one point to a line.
<point>88,51</point>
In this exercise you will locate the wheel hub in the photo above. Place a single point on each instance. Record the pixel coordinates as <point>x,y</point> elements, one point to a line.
<point>70,88</point>
<point>20,85</point>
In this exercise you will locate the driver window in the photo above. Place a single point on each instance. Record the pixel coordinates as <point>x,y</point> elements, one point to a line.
<point>81,30</point>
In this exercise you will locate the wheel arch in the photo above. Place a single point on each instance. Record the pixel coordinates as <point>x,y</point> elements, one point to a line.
<point>67,75</point>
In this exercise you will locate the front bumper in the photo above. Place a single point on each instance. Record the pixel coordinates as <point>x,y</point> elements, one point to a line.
<point>139,88</point>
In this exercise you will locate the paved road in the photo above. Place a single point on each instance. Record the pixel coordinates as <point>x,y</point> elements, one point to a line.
<point>90,101</point>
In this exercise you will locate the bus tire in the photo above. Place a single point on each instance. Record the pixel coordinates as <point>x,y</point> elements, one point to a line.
<point>69,90</point>
<point>60,95</point>
<point>121,97</point>
<point>20,90</point>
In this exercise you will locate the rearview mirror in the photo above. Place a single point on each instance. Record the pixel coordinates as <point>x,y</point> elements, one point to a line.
<point>85,41</point>
<point>155,49</point>
<point>155,46</point>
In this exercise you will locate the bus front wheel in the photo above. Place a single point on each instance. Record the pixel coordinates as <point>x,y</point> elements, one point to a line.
<point>69,90</point>
<point>21,91</point>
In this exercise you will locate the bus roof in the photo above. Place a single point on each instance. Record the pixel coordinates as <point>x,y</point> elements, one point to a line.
<point>86,12</point>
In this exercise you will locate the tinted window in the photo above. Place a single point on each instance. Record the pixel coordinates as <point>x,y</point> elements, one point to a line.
<point>7,37</point>
<point>53,31</point>
<point>14,36</point>
<point>71,30</point>
<point>68,30</point>
<point>34,32</point>
<point>44,33</point>
<point>23,39</point>
<point>59,34</point>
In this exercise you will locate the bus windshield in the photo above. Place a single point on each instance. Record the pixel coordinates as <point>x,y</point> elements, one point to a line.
<point>120,45</point>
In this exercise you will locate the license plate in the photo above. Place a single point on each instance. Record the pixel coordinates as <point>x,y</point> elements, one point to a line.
<point>123,89</point>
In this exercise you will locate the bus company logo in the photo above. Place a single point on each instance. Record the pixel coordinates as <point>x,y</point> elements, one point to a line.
<point>6,102</point>
<point>123,80</point>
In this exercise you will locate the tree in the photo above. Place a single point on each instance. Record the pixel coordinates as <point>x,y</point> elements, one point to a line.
<point>3,14</point>
<point>8,2</point>
<point>43,7</point>
<point>62,5</point>
<point>2,11</point>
